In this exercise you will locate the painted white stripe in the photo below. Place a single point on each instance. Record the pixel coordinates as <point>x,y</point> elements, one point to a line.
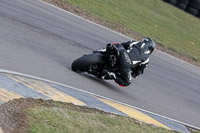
<point>67,86</point>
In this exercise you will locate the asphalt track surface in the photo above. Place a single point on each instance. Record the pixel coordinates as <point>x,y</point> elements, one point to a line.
<point>41,40</point>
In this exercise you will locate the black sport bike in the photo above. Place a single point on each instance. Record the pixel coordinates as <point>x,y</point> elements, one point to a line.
<point>98,62</point>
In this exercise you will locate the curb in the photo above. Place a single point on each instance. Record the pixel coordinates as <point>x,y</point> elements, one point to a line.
<point>89,99</point>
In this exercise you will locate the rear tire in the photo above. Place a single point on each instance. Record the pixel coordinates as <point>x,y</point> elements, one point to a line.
<point>185,2</point>
<point>192,11</point>
<point>173,2</point>
<point>85,61</point>
<point>198,14</point>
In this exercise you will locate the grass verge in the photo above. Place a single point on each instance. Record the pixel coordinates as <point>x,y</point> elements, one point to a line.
<point>66,118</point>
<point>173,29</point>
<point>27,115</point>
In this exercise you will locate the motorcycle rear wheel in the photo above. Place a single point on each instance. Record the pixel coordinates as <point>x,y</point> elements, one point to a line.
<point>81,64</point>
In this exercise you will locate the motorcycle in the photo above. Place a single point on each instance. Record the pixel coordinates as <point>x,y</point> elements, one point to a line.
<point>98,63</point>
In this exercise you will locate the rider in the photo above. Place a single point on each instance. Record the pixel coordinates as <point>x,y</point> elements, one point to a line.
<point>134,58</point>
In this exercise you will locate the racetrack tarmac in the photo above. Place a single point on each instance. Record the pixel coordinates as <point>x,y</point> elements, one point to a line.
<point>41,40</point>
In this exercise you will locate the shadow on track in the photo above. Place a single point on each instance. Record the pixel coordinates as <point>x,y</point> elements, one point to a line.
<point>109,86</point>
<point>102,82</point>
<point>115,89</point>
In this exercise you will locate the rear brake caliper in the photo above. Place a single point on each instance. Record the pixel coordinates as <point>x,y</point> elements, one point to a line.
<point>90,69</point>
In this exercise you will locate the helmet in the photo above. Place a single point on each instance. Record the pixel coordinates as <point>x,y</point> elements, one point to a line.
<point>148,45</point>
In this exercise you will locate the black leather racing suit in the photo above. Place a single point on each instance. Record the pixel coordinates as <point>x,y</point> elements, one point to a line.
<point>133,59</point>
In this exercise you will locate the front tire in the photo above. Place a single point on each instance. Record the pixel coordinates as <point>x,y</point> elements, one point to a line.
<point>79,65</point>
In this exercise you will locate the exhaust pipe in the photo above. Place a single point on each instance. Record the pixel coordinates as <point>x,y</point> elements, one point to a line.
<point>109,46</point>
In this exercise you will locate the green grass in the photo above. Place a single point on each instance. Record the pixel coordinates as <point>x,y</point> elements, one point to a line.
<point>66,120</point>
<point>166,24</point>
